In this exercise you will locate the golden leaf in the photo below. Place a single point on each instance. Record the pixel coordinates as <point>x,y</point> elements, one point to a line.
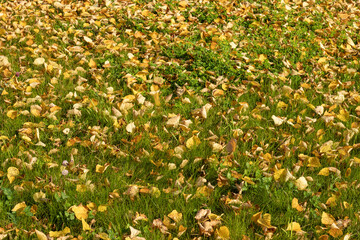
<point>193,142</point>
<point>92,63</point>
<point>38,196</point>
<point>294,226</point>
<point>175,215</point>
<point>335,231</point>
<point>222,233</point>
<point>11,114</point>
<point>101,169</point>
<point>102,208</point>
<point>85,226</point>
<point>12,173</point>
<point>324,172</point>
<point>313,162</point>
<point>327,219</point>
<point>19,207</point>
<point>217,92</point>
<point>81,188</point>
<point>40,235</point>
<point>35,110</point>
<point>80,212</point>
<point>295,204</point>
<point>57,234</point>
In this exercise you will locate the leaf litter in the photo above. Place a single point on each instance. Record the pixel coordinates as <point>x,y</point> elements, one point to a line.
<point>179,119</point>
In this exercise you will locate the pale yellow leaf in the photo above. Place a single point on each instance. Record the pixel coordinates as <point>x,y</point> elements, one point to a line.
<point>301,183</point>
<point>19,207</point>
<point>327,219</point>
<point>80,212</point>
<point>40,235</point>
<point>12,173</point>
<point>294,226</point>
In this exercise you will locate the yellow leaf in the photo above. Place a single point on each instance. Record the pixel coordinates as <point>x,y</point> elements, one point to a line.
<point>85,226</point>
<point>81,188</point>
<point>38,196</point>
<point>313,162</point>
<point>256,217</point>
<point>92,63</point>
<point>265,220</point>
<point>183,4</point>
<point>295,204</point>
<point>324,172</point>
<point>57,234</point>
<point>19,207</point>
<point>12,173</point>
<point>327,219</point>
<point>193,142</point>
<point>262,58</point>
<point>222,233</point>
<point>301,183</point>
<point>294,226</point>
<point>175,215</point>
<point>35,110</point>
<point>322,60</point>
<point>335,231</point>
<point>40,235</point>
<point>248,180</point>
<point>282,105</point>
<point>102,208</point>
<point>332,200</point>
<point>80,212</point>
<point>217,92</point>
<point>101,169</point>
<point>11,114</point>
<point>343,115</point>
<point>103,236</point>
<point>39,61</point>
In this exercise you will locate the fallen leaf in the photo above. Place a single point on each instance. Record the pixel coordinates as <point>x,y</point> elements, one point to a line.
<point>175,215</point>
<point>193,142</point>
<point>222,233</point>
<point>80,212</point>
<point>301,183</point>
<point>12,173</point>
<point>231,145</point>
<point>40,235</point>
<point>294,226</point>
<point>130,127</point>
<point>39,61</point>
<point>57,234</point>
<point>327,219</point>
<point>11,114</point>
<point>19,207</point>
<point>85,226</point>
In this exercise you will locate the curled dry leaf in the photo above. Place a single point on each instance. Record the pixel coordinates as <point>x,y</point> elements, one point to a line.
<point>39,61</point>
<point>173,121</point>
<point>231,145</point>
<point>130,127</point>
<point>301,183</point>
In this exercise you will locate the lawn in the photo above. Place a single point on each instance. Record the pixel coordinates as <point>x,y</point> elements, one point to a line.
<point>176,120</point>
